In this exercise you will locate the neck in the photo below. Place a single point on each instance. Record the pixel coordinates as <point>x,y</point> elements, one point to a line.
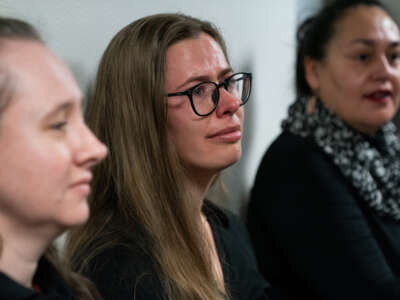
<point>21,250</point>
<point>197,188</point>
<point>364,129</point>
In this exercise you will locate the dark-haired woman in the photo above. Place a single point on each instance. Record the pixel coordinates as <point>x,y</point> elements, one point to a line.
<point>324,213</point>
<point>46,156</point>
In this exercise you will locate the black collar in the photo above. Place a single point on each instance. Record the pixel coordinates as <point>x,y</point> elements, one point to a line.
<point>46,277</point>
<point>215,213</point>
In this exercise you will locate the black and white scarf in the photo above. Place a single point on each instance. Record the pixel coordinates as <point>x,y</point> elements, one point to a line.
<point>371,164</point>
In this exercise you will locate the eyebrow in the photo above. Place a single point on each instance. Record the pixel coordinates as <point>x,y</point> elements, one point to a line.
<point>371,43</point>
<point>205,77</point>
<point>63,106</point>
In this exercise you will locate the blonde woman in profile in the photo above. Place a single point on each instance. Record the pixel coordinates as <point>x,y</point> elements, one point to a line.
<point>170,107</point>
<point>46,156</point>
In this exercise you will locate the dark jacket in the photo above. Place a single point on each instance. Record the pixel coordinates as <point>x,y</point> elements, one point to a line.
<point>121,273</point>
<point>314,237</point>
<point>52,286</point>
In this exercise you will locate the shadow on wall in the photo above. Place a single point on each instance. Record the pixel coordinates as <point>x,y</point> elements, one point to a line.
<point>232,193</point>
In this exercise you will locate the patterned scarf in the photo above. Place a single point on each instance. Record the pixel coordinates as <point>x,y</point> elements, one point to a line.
<point>371,164</point>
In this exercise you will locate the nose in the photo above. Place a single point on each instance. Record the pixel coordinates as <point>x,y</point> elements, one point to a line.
<point>89,151</point>
<point>228,104</point>
<point>383,70</point>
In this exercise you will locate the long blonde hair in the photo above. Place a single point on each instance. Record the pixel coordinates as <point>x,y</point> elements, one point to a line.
<point>138,187</point>
<point>13,29</point>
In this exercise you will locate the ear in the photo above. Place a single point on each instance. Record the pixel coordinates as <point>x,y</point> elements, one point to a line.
<point>311,68</point>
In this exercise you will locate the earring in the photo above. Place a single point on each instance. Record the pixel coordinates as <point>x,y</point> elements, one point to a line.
<point>311,105</point>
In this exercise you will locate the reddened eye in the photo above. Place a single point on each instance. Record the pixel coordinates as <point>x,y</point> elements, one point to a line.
<point>199,91</point>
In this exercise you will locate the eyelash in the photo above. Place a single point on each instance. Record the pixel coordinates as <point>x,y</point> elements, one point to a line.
<point>364,56</point>
<point>394,56</point>
<point>59,125</point>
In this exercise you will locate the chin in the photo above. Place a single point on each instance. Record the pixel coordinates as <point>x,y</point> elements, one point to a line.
<point>236,155</point>
<point>382,117</point>
<point>229,160</point>
<point>381,120</point>
<point>77,217</point>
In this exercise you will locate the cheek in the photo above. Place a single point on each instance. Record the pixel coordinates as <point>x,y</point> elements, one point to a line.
<point>240,115</point>
<point>47,166</point>
<point>340,82</point>
<point>342,91</point>
<point>182,133</point>
<point>396,83</point>
<point>338,77</point>
<point>181,123</point>
<point>52,156</point>
<point>33,179</point>
<point>188,137</point>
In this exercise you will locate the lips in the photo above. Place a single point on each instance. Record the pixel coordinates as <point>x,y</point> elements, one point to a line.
<point>84,180</point>
<point>379,96</point>
<point>227,134</point>
<point>82,185</point>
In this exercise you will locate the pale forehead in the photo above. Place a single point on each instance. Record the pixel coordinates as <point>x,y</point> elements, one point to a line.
<point>32,66</point>
<point>195,55</point>
<point>367,22</point>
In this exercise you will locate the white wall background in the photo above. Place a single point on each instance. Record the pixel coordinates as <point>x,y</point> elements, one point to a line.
<point>305,8</point>
<point>394,7</point>
<point>260,37</point>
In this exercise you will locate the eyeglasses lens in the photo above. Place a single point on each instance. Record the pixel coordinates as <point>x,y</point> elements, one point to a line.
<point>205,97</point>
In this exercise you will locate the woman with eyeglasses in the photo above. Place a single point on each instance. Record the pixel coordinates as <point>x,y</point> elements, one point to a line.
<point>170,108</point>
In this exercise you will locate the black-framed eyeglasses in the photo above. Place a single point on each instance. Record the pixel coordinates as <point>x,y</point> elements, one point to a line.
<point>204,97</point>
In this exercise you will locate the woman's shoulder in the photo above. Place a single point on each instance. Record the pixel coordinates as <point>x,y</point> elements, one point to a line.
<point>289,144</point>
<point>222,216</point>
<point>293,156</point>
<point>295,171</point>
<point>46,280</point>
<point>126,259</point>
<point>124,271</point>
<point>230,229</point>
<point>238,258</point>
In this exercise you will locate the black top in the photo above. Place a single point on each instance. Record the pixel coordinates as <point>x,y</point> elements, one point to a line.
<point>121,273</point>
<point>314,237</point>
<point>52,286</point>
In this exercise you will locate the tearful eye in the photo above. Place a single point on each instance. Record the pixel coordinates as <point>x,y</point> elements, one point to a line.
<point>198,91</point>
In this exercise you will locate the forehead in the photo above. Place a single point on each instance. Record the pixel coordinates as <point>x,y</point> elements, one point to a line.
<point>36,72</point>
<point>367,22</point>
<point>195,56</point>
